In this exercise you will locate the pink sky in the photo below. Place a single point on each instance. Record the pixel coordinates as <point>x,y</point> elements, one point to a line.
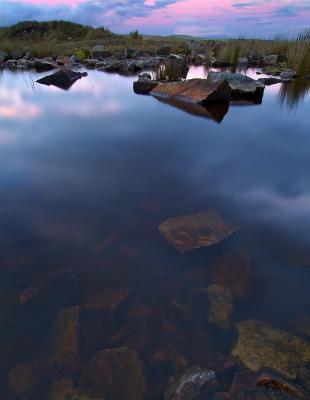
<point>193,17</point>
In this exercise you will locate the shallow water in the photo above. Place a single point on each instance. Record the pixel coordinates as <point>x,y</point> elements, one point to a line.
<point>88,174</point>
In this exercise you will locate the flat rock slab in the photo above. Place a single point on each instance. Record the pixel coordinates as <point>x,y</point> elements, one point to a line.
<point>261,345</point>
<point>188,232</point>
<point>241,86</point>
<point>63,79</point>
<point>196,91</point>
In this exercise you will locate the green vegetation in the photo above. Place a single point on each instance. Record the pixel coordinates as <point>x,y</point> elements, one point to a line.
<point>171,71</point>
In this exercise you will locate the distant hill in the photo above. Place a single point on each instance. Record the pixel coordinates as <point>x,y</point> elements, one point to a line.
<point>53,30</point>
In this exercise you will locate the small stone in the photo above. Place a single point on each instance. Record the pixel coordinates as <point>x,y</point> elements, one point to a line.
<point>220,306</point>
<point>21,379</point>
<point>192,384</point>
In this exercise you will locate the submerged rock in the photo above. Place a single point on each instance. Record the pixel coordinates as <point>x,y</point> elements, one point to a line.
<point>190,232</point>
<point>144,85</point>
<point>44,66</point>
<point>233,271</point>
<point>60,355</point>
<point>220,306</point>
<point>63,389</point>
<point>117,373</point>
<point>262,345</point>
<point>196,91</point>
<point>241,86</point>
<point>193,384</point>
<point>21,379</point>
<point>63,79</point>
<point>109,299</point>
<point>263,385</point>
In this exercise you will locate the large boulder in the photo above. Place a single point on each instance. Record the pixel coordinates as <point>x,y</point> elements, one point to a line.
<point>144,85</point>
<point>261,345</point>
<point>189,232</point>
<point>44,66</point>
<point>63,79</point>
<point>241,86</point>
<point>193,384</point>
<point>117,373</point>
<point>197,91</point>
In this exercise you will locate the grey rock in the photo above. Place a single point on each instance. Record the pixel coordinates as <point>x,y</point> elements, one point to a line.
<point>91,62</point>
<point>64,78</point>
<point>243,61</point>
<point>289,74</point>
<point>144,85</point>
<point>241,86</point>
<point>192,384</point>
<point>43,66</point>
<point>272,81</point>
<point>3,55</point>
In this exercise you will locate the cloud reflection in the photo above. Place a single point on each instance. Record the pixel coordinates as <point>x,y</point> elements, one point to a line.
<point>14,106</point>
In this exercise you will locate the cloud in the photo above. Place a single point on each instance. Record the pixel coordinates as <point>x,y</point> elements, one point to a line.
<point>207,18</point>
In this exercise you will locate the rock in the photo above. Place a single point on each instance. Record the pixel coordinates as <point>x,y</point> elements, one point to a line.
<point>274,59</point>
<point>233,271</point>
<point>117,373</point>
<point>3,56</point>
<point>12,64</point>
<point>62,389</point>
<point>138,316</point>
<point>220,306</point>
<point>60,355</point>
<point>193,384</point>
<point>221,64</point>
<point>272,81</point>
<point>63,79</point>
<point>24,63</point>
<point>199,59</point>
<point>100,51</point>
<point>272,70</point>
<point>263,385</point>
<point>144,85</point>
<point>17,54</point>
<point>54,279</point>
<point>44,66</point>
<point>129,53</point>
<point>86,394</point>
<point>194,91</point>
<point>108,300</point>
<point>241,86</point>
<point>164,50</point>
<point>21,379</point>
<point>243,61</point>
<point>75,59</point>
<point>145,75</point>
<point>91,62</point>
<point>190,232</point>
<point>262,345</point>
<point>289,74</point>
<point>303,379</point>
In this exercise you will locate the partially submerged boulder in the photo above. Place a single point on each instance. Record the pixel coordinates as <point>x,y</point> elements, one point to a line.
<point>192,384</point>
<point>144,85</point>
<point>63,79</point>
<point>189,232</point>
<point>261,345</point>
<point>107,300</point>
<point>272,81</point>
<point>288,74</point>
<point>241,86</point>
<point>116,373</point>
<point>195,91</point>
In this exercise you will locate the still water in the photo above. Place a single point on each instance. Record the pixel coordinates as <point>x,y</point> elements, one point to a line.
<point>87,175</point>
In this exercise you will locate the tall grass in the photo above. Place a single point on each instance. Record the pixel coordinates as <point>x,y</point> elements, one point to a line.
<point>170,71</point>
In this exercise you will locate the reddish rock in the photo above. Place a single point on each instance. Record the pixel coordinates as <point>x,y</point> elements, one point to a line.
<point>264,384</point>
<point>117,373</point>
<point>233,271</point>
<point>189,232</point>
<point>21,379</point>
<point>197,91</point>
